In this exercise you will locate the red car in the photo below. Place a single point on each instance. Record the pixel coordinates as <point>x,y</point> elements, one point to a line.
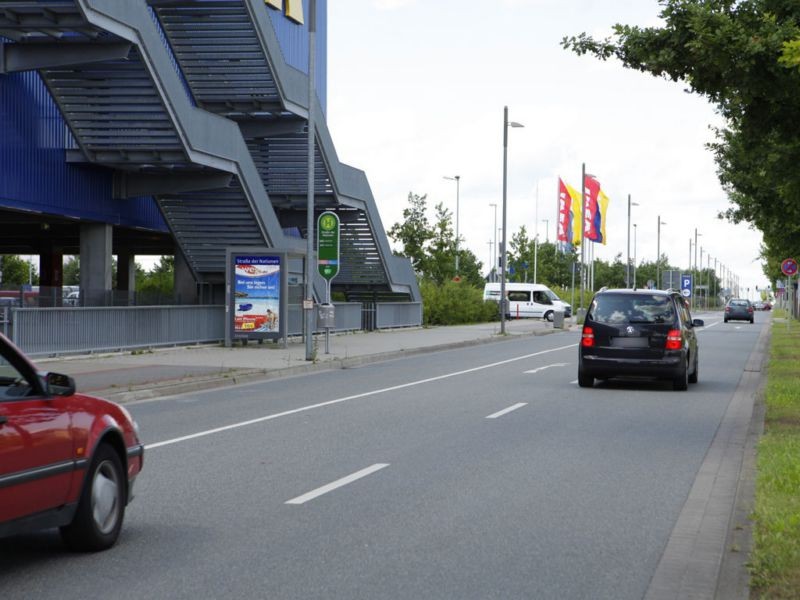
<point>66,460</point>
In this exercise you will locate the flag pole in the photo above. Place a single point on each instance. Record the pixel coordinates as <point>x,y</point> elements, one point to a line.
<point>582,228</point>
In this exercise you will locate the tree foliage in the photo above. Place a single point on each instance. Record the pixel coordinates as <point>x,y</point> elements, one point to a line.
<point>72,270</point>
<point>15,271</point>
<point>432,247</point>
<point>160,280</point>
<point>743,56</point>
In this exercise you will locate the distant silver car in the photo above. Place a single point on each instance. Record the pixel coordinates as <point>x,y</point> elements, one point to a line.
<point>738,309</point>
<point>72,299</point>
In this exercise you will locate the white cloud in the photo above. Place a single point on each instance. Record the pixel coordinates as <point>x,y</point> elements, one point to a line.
<point>393,4</point>
<point>421,95</point>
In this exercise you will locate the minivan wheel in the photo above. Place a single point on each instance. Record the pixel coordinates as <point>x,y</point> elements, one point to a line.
<point>696,373</point>
<point>584,380</point>
<point>681,381</point>
<point>548,316</point>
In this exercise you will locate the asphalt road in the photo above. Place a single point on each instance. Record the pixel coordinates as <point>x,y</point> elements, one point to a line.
<point>481,472</point>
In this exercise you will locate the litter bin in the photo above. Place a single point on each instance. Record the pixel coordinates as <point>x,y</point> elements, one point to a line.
<point>558,319</point>
<point>326,318</point>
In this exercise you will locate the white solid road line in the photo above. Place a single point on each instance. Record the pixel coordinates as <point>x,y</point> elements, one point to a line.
<point>547,367</point>
<point>505,411</point>
<point>337,484</point>
<point>347,398</point>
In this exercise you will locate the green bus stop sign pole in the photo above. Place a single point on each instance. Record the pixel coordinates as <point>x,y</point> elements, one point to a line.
<point>328,260</point>
<point>328,246</point>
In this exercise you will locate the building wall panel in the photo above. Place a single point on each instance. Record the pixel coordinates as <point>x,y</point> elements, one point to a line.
<point>294,44</point>
<point>34,175</point>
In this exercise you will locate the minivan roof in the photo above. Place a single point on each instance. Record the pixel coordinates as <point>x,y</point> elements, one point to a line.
<point>509,284</point>
<point>642,291</point>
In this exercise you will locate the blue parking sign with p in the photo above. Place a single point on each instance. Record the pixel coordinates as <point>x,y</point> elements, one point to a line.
<point>686,286</point>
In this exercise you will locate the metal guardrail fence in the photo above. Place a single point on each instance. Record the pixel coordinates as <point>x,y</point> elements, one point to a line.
<point>398,314</point>
<point>5,320</point>
<point>347,315</point>
<point>50,331</point>
<point>65,330</point>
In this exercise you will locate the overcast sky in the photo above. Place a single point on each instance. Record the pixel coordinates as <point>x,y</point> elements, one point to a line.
<point>416,91</point>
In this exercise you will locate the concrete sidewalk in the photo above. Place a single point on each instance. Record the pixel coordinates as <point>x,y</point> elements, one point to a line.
<point>129,376</point>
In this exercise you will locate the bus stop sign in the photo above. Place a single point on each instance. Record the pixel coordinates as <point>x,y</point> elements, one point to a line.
<point>328,245</point>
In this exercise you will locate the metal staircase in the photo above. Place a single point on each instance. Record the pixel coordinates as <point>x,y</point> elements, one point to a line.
<point>191,102</point>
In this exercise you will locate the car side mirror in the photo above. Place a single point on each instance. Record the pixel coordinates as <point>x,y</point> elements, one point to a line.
<point>59,385</point>
<point>698,323</point>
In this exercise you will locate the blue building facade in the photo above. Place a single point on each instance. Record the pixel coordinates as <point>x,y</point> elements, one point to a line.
<point>161,127</point>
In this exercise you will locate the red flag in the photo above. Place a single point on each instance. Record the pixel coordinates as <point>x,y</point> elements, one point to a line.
<point>591,214</point>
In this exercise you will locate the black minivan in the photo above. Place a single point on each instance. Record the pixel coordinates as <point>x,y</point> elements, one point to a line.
<point>639,333</point>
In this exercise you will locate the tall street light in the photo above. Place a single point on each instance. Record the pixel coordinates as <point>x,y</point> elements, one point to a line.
<point>628,264</point>
<point>457,179</point>
<point>658,253</point>
<point>634,255</point>
<point>308,304</point>
<point>493,270</point>
<point>506,125</point>
<point>694,283</point>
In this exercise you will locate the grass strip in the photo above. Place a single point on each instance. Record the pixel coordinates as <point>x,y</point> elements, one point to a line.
<point>775,560</point>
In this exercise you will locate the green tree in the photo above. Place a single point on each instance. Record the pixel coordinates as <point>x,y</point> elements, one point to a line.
<point>15,271</point>
<point>612,275</point>
<point>432,248</point>
<point>440,262</point>
<point>470,268</point>
<point>160,280</point>
<point>520,256</point>
<point>414,232</point>
<point>72,270</point>
<point>743,57</point>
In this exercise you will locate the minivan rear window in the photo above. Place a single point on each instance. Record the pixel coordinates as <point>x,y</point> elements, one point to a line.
<point>615,309</point>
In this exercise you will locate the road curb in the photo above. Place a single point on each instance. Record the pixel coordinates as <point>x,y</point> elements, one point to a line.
<point>157,390</point>
<point>691,565</point>
<point>734,577</point>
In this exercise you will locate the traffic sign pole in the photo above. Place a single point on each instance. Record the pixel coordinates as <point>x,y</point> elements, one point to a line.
<point>328,259</point>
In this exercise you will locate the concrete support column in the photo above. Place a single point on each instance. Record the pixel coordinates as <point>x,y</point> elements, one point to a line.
<point>51,276</point>
<point>96,263</point>
<point>185,283</point>
<point>126,275</point>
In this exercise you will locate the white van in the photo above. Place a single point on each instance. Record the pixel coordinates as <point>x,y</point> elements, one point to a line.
<point>528,300</point>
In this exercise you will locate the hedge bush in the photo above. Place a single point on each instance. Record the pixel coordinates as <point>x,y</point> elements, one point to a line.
<point>455,303</point>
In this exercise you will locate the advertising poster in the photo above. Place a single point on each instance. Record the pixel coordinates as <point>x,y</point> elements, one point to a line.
<point>257,294</point>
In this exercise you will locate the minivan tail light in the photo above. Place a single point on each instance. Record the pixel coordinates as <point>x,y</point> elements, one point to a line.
<point>727,309</point>
<point>587,338</point>
<point>674,340</point>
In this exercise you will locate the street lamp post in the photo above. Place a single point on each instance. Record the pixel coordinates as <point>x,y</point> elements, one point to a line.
<point>634,255</point>
<point>457,179</point>
<point>694,282</point>
<point>700,268</point>
<point>658,253</point>
<point>308,304</point>
<point>628,263</point>
<point>493,271</point>
<point>506,124</point>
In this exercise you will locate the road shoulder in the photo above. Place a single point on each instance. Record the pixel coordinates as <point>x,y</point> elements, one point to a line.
<point>697,561</point>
